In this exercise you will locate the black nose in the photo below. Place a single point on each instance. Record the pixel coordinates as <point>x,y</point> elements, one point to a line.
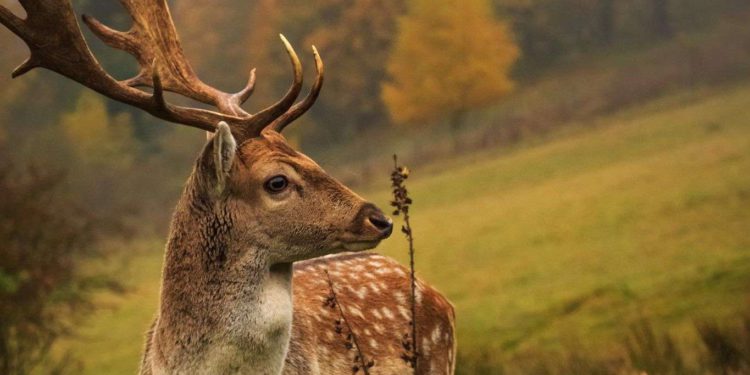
<point>382,223</point>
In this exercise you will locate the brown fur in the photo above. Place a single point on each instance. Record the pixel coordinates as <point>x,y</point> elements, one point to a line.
<point>226,300</point>
<point>374,292</point>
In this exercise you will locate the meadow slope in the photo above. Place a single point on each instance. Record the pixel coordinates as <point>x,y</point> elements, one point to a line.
<point>645,213</point>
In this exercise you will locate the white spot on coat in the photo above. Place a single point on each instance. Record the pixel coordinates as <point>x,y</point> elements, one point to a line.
<point>387,312</point>
<point>404,312</point>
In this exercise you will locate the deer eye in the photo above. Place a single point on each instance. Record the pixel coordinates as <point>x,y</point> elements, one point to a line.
<point>276,184</point>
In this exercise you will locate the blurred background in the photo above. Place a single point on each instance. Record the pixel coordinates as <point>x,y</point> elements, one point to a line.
<point>580,172</point>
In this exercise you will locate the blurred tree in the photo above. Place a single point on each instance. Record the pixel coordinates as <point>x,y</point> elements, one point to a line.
<point>355,41</point>
<point>215,39</point>
<point>13,53</point>
<point>104,151</point>
<point>606,21</point>
<point>660,19</point>
<point>449,57</point>
<point>45,237</point>
<point>264,51</point>
<point>95,137</point>
<point>550,30</point>
<point>13,93</point>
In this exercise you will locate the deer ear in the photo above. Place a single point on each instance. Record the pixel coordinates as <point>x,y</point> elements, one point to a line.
<point>224,149</point>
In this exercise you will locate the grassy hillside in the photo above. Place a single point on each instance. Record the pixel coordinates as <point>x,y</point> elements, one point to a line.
<point>553,242</point>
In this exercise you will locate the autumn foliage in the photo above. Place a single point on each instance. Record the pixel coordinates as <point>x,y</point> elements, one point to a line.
<point>448,58</point>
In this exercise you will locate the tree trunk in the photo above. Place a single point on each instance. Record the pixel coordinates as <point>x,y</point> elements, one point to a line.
<point>455,121</point>
<point>606,22</point>
<point>660,19</point>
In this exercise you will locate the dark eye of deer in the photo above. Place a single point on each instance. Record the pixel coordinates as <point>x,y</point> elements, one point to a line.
<point>276,184</point>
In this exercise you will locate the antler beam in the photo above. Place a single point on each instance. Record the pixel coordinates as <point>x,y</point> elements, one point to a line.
<point>54,38</point>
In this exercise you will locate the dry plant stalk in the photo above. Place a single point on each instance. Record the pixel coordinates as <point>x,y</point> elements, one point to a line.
<point>401,202</point>
<point>350,341</point>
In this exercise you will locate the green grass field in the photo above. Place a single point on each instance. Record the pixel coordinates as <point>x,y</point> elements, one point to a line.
<point>645,213</point>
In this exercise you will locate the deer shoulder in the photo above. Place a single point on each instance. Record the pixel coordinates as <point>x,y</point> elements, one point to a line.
<point>374,294</point>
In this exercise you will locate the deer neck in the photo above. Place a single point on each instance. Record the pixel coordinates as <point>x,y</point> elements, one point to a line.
<point>224,308</point>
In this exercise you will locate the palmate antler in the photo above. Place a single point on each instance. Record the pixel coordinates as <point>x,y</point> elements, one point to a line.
<point>54,38</point>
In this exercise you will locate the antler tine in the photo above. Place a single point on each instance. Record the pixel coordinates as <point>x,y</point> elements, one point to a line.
<point>153,35</point>
<point>242,96</point>
<point>25,67</point>
<point>177,75</point>
<point>260,120</point>
<point>113,38</point>
<point>54,38</point>
<point>125,41</point>
<point>18,26</point>
<point>300,108</point>
<point>158,94</point>
<point>12,22</point>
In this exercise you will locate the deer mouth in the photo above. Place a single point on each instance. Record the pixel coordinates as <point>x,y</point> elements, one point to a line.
<point>360,245</point>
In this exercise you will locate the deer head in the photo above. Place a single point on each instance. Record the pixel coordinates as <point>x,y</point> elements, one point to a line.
<point>247,168</point>
<point>277,198</point>
<point>251,207</point>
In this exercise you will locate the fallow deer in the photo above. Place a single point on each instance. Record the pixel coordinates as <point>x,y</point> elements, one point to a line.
<point>251,208</point>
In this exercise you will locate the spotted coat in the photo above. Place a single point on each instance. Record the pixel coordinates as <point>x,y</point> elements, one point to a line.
<point>374,293</point>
